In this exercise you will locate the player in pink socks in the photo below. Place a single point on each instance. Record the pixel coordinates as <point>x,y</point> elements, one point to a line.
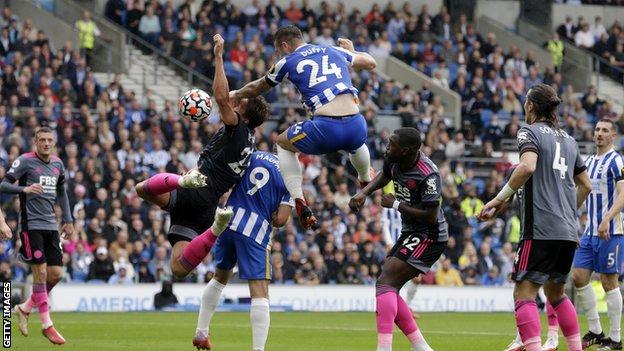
<point>552,340</point>
<point>551,182</point>
<point>424,232</point>
<point>192,198</point>
<point>41,178</point>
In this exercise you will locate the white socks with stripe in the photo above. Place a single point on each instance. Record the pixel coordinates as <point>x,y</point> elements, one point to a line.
<point>260,320</point>
<point>361,162</point>
<point>291,171</point>
<point>614,310</point>
<point>209,301</point>
<point>587,298</point>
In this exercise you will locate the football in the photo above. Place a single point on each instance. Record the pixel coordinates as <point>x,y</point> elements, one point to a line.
<point>195,105</point>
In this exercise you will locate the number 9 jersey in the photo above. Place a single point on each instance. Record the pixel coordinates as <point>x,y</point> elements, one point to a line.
<point>319,72</point>
<point>257,196</point>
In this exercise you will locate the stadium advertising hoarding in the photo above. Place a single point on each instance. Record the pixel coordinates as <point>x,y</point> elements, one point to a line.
<point>324,298</point>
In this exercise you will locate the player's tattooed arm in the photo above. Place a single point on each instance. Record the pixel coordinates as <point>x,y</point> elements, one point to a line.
<point>251,89</point>
<point>220,85</point>
<point>618,205</point>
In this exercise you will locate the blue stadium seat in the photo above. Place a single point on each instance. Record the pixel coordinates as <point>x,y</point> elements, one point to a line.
<point>453,67</point>
<point>486,116</point>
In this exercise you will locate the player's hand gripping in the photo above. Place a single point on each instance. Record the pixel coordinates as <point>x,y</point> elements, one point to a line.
<point>387,200</point>
<point>67,230</point>
<point>603,230</point>
<point>346,44</point>
<point>357,202</point>
<point>35,189</point>
<point>490,209</point>
<point>218,45</point>
<point>5,231</point>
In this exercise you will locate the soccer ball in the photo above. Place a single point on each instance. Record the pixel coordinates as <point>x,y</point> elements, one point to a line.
<point>195,105</point>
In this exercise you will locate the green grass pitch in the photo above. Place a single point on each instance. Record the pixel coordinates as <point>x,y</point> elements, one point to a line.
<point>297,331</point>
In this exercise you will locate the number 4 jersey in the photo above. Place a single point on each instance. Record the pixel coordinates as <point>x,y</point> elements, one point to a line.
<point>257,196</point>
<point>548,198</point>
<point>319,72</point>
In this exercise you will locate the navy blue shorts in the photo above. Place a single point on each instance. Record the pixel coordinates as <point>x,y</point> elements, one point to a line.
<point>254,260</point>
<point>323,135</point>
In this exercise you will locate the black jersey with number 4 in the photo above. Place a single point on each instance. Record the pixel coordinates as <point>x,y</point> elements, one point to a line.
<point>420,187</point>
<point>227,156</point>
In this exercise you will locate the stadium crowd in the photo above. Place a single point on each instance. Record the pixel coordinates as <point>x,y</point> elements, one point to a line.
<point>110,139</point>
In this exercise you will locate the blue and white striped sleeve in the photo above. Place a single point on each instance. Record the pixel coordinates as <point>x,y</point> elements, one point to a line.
<point>287,200</point>
<point>277,73</point>
<point>617,168</point>
<point>348,55</point>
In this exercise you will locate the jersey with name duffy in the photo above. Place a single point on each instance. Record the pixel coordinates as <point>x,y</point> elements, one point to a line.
<point>319,72</point>
<point>548,198</point>
<point>37,211</point>
<point>420,187</point>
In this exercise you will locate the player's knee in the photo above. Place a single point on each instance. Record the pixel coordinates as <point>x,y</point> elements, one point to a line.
<point>579,278</point>
<point>54,276</point>
<point>140,189</point>
<point>609,281</point>
<point>178,270</point>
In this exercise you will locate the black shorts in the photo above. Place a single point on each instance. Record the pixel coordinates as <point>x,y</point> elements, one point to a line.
<point>418,251</point>
<point>539,261</point>
<point>41,246</point>
<point>192,212</point>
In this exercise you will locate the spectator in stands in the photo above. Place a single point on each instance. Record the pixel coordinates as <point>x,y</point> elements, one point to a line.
<point>447,275</point>
<point>584,37</point>
<point>121,277</point>
<point>87,32</point>
<point>114,10</point>
<point>492,278</point>
<point>149,26</point>
<point>101,269</point>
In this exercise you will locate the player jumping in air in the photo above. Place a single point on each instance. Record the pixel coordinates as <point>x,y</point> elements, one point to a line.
<point>602,246</point>
<point>551,183</point>
<point>192,199</point>
<point>321,74</point>
<point>424,235</point>
<point>259,201</point>
<point>41,183</point>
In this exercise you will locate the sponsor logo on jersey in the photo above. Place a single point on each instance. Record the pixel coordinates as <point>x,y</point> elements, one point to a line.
<point>432,187</point>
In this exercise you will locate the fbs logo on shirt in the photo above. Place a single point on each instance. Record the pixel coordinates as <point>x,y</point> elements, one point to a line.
<point>48,183</point>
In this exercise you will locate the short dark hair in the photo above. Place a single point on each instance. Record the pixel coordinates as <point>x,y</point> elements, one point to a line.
<point>44,129</point>
<point>288,34</point>
<point>610,121</point>
<point>408,137</point>
<point>257,111</point>
<point>545,99</point>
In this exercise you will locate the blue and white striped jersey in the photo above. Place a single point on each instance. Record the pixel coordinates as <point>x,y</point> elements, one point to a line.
<point>604,173</point>
<point>319,72</point>
<point>391,225</point>
<point>257,196</point>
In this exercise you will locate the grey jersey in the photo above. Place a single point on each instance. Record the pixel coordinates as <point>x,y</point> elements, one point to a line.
<point>37,211</point>
<point>420,187</point>
<point>548,198</point>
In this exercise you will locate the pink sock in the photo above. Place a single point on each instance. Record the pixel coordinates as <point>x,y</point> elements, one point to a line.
<point>405,320</point>
<point>40,299</point>
<point>553,323</point>
<point>197,249</point>
<point>528,322</point>
<point>162,183</point>
<point>566,314</point>
<point>28,305</point>
<point>386,313</point>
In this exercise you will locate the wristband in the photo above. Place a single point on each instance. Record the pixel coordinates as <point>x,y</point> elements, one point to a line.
<point>505,193</point>
<point>396,204</point>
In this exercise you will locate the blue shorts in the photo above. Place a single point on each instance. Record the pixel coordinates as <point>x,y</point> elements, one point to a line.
<point>323,135</point>
<point>254,260</point>
<point>601,256</point>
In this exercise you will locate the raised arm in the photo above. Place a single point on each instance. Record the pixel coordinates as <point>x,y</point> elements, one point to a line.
<point>252,89</point>
<point>220,86</point>
<point>360,60</point>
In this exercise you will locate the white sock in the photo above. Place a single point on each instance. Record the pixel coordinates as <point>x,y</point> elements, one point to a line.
<point>553,333</point>
<point>421,345</point>
<point>384,348</point>
<point>260,320</point>
<point>209,302</point>
<point>291,171</point>
<point>410,292</point>
<point>587,298</point>
<point>361,162</point>
<point>614,310</point>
